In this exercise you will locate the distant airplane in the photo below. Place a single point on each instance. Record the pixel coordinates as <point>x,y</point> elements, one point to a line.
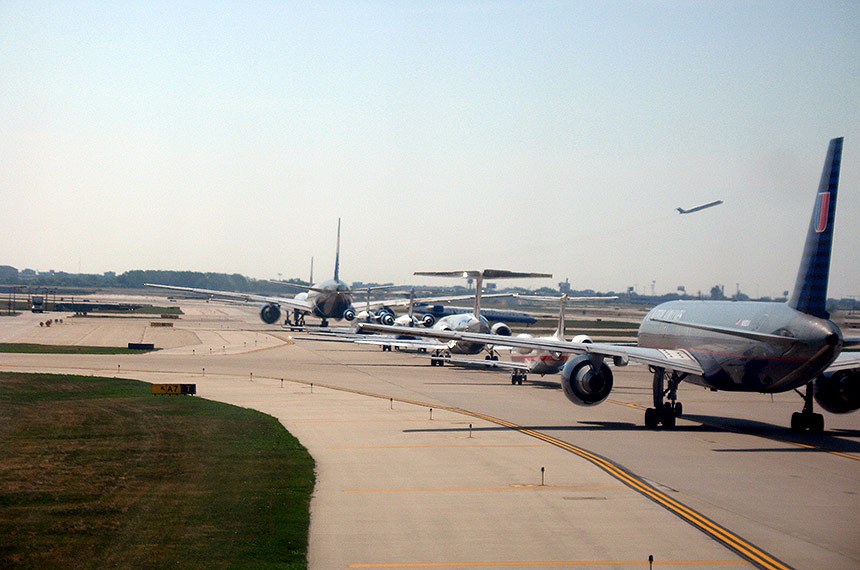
<point>525,361</point>
<point>473,321</point>
<point>699,208</point>
<point>740,346</point>
<point>331,299</point>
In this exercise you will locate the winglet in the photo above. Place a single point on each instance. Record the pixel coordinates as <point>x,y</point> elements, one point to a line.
<point>337,254</point>
<point>810,288</point>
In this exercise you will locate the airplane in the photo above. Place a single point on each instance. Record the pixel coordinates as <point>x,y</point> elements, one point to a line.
<point>742,346</point>
<point>698,208</point>
<point>507,316</point>
<point>331,299</point>
<point>472,322</point>
<point>527,360</point>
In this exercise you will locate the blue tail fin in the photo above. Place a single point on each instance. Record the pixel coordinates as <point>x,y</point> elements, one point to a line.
<point>810,289</point>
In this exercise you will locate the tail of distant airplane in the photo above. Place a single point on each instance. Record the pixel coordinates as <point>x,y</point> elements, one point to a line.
<point>810,289</point>
<point>337,254</point>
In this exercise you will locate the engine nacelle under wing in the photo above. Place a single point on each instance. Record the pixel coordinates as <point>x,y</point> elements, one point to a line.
<point>270,313</point>
<point>584,383</point>
<point>501,329</point>
<point>838,392</point>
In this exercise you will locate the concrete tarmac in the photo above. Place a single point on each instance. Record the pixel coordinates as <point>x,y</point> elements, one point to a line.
<point>398,488</point>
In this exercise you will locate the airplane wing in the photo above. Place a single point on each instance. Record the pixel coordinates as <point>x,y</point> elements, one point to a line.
<point>474,362</point>
<point>401,343</point>
<point>246,297</point>
<point>404,302</point>
<point>845,361</point>
<point>679,360</point>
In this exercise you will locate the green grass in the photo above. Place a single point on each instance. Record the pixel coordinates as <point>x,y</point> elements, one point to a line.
<point>97,472</point>
<point>65,349</point>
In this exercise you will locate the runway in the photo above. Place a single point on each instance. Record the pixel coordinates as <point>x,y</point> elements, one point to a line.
<point>399,488</point>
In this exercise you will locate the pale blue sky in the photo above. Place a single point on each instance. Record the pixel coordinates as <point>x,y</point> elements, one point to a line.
<point>541,136</point>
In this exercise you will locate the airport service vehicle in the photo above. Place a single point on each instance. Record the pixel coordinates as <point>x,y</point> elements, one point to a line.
<point>728,345</point>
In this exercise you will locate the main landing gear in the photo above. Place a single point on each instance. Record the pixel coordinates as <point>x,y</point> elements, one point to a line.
<point>438,357</point>
<point>807,420</point>
<point>298,320</point>
<point>664,413</point>
<point>517,376</point>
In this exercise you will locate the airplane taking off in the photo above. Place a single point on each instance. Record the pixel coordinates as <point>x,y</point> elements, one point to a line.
<point>742,346</point>
<point>699,208</point>
<point>331,299</point>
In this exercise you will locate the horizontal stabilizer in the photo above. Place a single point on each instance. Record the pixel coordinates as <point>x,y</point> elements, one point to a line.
<point>485,274</point>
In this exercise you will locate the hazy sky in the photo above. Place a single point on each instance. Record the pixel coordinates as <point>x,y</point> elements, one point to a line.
<point>536,136</point>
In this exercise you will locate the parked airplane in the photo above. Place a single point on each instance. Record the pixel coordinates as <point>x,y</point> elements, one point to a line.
<point>726,345</point>
<point>331,299</point>
<point>698,208</point>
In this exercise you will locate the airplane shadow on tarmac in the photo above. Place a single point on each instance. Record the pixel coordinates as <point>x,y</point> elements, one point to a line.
<point>827,442</point>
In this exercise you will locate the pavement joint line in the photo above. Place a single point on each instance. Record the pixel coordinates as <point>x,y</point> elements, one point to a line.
<point>452,446</point>
<point>484,489</point>
<point>552,564</point>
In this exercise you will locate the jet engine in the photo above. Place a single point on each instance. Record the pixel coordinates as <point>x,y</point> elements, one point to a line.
<point>501,329</point>
<point>838,392</point>
<point>583,338</point>
<point>270,313</point>
<point>385,316</point>
<point>428,320</point>
<point>349,314</point>
<point>584,383</point>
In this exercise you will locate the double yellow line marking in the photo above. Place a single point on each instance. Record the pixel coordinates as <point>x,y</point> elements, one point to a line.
<point>743,548</point>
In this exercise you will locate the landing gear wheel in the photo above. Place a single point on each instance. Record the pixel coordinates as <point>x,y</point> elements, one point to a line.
<point>798,422</point>
<point>807,420</point>
<point>652,419</point>
<point>678,409</point>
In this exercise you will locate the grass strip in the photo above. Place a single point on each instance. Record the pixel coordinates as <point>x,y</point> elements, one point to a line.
<point>97,472</point>
<point>26,348</point>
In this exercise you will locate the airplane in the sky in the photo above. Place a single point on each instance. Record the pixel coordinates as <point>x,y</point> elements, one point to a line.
<point>331,299</point>
<point>699,208</point>
<point>728,345</point>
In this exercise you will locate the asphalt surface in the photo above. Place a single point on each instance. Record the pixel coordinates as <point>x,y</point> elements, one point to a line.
<point>399,486</point>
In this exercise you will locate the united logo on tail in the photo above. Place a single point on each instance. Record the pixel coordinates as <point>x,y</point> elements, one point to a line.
<point>822,208</point>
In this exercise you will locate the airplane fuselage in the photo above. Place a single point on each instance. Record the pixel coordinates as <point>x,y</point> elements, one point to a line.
<point>541,361</point>
<point>465,322</point>
<point>735,363</point>
<point>330,299</point>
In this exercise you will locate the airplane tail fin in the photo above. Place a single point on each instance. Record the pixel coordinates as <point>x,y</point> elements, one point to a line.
<point>810,289</point>
<point>337,254</point>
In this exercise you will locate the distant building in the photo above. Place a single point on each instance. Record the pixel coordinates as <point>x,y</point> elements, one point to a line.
<point>564,286</point>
